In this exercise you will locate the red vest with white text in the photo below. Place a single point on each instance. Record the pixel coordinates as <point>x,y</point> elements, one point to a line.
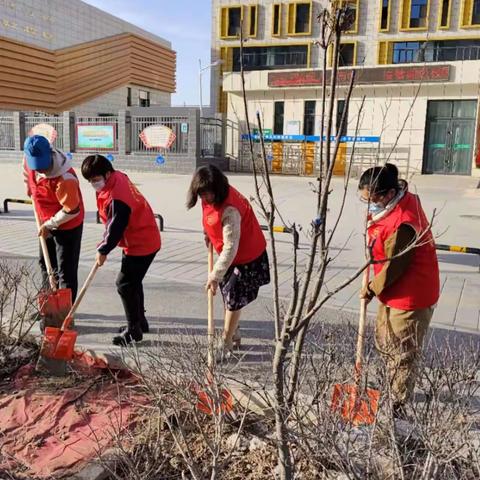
<point>252,241</point>
<point>419,286</point>
<point>141,237</point>
<point>43,193</point>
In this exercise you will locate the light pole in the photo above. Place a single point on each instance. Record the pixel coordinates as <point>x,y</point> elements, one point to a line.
<point>200,73</point>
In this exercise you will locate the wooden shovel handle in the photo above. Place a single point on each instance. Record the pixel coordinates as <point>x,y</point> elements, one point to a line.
<point>46,256</point>
<point>361,327</point>
<point>81,294</point>
<point>211,320</point>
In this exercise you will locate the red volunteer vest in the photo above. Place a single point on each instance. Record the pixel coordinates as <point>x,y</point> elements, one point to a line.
<point>252,241</point>
<point>43,193</point>
<point>141,237</point>
<point>419,287</point>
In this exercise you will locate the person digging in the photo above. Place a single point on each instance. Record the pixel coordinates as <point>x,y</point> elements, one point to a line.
<point>130,224</point>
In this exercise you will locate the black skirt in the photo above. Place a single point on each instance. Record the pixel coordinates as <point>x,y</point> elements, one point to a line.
<point>241,283</point>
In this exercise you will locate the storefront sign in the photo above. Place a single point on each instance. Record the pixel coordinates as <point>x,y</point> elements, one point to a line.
<point>423,73</point>
<point>96,137</point>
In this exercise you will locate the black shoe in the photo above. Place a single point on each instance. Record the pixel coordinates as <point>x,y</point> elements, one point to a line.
<point>126,338</point>
<point>144,326</point>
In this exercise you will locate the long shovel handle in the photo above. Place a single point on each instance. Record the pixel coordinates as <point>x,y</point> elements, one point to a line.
<point>43,245</point>
<point>361,328</point>
<point>81,294</point>
<point>211,320</point>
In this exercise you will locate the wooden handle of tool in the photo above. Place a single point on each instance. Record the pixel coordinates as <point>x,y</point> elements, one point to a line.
<point>361,327</point>
<point>81,294</point>
<point>46,256</point>
<point>211,320</point>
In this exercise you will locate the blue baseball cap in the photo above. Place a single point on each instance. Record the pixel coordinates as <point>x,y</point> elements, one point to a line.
<point>38,153</point>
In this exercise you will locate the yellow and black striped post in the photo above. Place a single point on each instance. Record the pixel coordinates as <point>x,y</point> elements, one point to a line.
<point>459,249</point>
<point>14,200</point>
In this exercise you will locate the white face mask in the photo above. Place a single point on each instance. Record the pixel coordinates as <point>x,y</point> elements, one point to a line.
<point>99,185</point>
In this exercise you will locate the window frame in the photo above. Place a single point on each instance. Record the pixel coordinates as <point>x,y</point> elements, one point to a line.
<point>250,8</point>
<point>406,8</point>
<point>280,11</point>
<point>467,23</point>
<point>354,30</point>
<point>350,42</point>
<point>292,19</point>
<point>449,16</point>
<point>224,19</point>
<point>389,11</point>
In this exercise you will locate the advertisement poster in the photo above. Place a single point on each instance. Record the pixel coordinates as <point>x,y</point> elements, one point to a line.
<point>96,137</point>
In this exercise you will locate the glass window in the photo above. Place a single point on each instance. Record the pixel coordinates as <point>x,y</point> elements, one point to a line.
<point>464,108</point>
<point>309,117</point>
<point>384,21</point>
<point>439,109</point>
<point>445,11</point>
<point>268,58</point>
<point>418,13</point>
<point>476,12</point>
<point>253,21</point>
<point>302,19</point>
<point>129,97</point>
<point>144,98</point>
<point>276,26</point>
<point>341,104</point>
<point>234,21</point>
<point>347,54</point>
<point>279,108</point>
<point>406,52</point>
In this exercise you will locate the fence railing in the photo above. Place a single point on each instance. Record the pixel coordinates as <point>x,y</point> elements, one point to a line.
<point>7,133</point>
<point>56,122</point>
<point>211,137</point>
<point>179,125</point>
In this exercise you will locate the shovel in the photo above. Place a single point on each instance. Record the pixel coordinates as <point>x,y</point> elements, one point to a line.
<point>54,304</point>
<point>357,406</point>
<point>59,343</point>
<point>206,403</point>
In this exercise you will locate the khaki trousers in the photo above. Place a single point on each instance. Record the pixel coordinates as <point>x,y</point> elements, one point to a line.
<point>399,336</point>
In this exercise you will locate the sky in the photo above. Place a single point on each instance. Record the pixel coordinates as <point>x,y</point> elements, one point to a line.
<point>184,23</point>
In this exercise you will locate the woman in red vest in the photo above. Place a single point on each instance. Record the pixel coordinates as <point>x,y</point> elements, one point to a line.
<point>53,184</point>
<point>130,224</point>
<point>230,224</point>
<point>406,281</point>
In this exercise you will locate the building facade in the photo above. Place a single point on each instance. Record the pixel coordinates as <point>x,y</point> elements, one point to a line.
<point>58,55</point>
<point>417,65</point>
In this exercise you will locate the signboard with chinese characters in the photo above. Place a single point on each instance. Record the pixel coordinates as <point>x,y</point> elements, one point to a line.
<point>364,76</point>
<point>312,138</point>
<point>96,137</point>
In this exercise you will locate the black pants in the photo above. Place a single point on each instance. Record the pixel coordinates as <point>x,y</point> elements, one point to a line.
<point>130,288</point>
<point>64,252</point>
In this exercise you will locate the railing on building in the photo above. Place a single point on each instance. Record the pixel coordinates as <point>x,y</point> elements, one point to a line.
<point>7,133</point>
<point>435,54</point>
<point>104,120</point>
<point>55,121</point>
<point>272,60</point>
<point>178,124</point>
<point>211,137</point>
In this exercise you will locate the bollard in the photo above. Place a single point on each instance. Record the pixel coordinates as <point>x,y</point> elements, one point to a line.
<point>14,200</point>
<point>296,236</point>
<point>458,249</point>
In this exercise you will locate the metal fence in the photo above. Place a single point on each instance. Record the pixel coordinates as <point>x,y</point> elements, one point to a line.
<point>7,133</point>
<point>105,143</point>
<point>56,122</point>
<point>178,124</point>
<point>211,137</point>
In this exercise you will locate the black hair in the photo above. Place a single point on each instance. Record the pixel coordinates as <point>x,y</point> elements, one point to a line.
<point>95,165</point>
<point>208,179</point>
<point>380,180</point>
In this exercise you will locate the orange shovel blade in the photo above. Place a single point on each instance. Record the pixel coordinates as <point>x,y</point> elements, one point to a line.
<point>58,344</point>
<point>355,406</point>
<point>57,303</point>
<point>206,404</point>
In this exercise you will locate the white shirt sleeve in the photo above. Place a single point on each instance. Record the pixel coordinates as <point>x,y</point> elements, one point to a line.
<point>231,222</point>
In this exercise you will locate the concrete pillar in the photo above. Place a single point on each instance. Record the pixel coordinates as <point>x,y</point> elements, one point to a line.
<point>124,126</point>
<point>19,129</point>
